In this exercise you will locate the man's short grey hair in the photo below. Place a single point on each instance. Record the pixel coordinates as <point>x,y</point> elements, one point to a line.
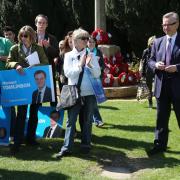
<point>174,15</point>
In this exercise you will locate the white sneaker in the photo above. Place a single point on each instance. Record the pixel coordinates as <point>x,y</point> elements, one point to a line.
<point>100,124</point>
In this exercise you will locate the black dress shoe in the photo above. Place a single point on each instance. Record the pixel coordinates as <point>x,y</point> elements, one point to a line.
<point>84,150</point>
<point>155,150</point>
<point>14,149</point>
<point>62,154</point>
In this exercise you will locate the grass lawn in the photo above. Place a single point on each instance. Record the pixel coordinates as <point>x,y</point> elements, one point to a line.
<point>121,142</point>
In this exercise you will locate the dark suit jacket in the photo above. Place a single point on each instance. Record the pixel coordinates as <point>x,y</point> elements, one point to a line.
<point>146,71</point>
<point>158,54</point>
<point>47,96</point>
<point>59,132</point>
<point>52,50</point>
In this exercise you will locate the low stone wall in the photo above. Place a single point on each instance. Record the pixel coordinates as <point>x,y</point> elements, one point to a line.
<point>121,92</point>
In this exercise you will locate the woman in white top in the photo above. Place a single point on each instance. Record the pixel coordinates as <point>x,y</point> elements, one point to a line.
<point>75,62</point>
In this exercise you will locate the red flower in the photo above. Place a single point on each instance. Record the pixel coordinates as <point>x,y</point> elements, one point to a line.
<point>108,80</point>
<point>119,57</point>
<point>106,60</point>
<point>108,69</point>
<point>116,70</point>
<point>101,36</point>
<point>123,78</point>
<point>131,78</point>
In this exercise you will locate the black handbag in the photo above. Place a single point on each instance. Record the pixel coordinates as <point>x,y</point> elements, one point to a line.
<point>70,94</point>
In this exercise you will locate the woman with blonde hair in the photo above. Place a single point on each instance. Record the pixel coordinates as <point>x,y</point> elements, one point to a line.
<point>145,71</point>
<point>17,60</point>
<point>75,64</point>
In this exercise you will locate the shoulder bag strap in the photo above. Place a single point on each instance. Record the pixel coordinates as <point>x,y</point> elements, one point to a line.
<point>80,76</point>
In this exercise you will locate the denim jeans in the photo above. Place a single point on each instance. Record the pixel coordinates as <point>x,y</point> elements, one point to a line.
<point>89,105</point>
<point>97,117</point>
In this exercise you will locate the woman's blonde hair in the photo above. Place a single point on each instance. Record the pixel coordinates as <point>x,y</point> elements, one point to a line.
<point>151,40</point>
<point>28,30</point>
<point>79,33</point>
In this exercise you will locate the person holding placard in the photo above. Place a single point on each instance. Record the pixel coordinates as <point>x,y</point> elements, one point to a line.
<point>17,60</point>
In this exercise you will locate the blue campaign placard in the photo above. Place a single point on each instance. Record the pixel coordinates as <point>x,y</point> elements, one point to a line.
<point>21,89</point>
<point>5,115</point>
<point>97,88</point>
<point>44,119</point>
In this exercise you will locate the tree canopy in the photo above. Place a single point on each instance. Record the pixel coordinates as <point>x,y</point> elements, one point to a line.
<point>130,22</point>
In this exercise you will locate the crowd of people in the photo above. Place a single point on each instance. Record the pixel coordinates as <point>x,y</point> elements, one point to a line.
<point>65,71</point>
<point>68,60</point>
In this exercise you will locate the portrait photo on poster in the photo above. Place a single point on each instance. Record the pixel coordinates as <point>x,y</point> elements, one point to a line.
<point>43,93</point>
<point>50,122</point>
<point>54,130</point>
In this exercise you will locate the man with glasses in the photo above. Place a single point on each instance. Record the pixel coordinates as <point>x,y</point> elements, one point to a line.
<point>165,62</point>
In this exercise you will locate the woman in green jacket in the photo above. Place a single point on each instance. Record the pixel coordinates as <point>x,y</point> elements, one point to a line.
<point>17,60</point>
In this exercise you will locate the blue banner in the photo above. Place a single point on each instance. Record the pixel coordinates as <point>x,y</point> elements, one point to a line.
<point>44,119</point>
<point>35,85</point>
<point>97,87</point>
<point>5,115</point>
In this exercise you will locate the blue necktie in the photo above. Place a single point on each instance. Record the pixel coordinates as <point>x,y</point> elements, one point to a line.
<point>168,52</point>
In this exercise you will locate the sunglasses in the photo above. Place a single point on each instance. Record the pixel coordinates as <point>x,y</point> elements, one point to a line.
<point>24,35</point>
<point>84,38</point>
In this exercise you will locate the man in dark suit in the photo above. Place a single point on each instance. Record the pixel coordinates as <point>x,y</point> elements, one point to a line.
<point>165,62</point>
<point>54,130</point>
<point>43,93</point>
<point>49,44</point>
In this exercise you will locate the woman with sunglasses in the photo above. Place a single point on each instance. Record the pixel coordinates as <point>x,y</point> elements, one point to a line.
<point>75,62</point>
<point>17,60</point>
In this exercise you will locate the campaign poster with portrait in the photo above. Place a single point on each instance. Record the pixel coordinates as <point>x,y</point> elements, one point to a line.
<point>44,121</point>
<point>34,86</point>
<point>5,115</point>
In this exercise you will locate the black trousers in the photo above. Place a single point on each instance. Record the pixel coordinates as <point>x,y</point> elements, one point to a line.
<point>20,123</point>
<point>53,104</point>
<point>149,81</point>
<point>164,103</point>
<point>13,121</point>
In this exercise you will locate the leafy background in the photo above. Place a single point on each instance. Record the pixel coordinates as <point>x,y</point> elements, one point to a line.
<point>130,22</point>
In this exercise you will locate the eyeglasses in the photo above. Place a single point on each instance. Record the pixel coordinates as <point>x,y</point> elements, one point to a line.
<point>84,38</point>
<point>24,35</point>
<point>164,25</point>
